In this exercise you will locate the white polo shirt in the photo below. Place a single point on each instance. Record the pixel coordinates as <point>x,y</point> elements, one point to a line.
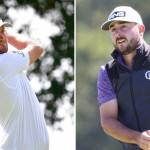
<point>22,124</point>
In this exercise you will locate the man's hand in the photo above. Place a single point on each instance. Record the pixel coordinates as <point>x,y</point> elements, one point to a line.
<point>143,140</point>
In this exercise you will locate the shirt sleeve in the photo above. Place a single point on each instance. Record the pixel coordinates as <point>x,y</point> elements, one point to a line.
<point>104,87</point>
<point>12,63</point>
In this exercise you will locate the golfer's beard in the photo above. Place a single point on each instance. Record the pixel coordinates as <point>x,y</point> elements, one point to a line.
<point>132,46</point>
<point>4,48</point>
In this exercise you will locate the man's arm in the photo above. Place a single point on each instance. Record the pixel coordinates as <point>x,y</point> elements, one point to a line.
<point>22,43</point>
<point>114,128</point>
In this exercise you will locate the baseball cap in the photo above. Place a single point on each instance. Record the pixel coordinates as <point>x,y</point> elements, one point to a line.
<point>122,13</point>
<point>4,24</point>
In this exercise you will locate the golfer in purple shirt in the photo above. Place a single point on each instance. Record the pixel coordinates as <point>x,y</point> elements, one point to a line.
<point>126,30</point>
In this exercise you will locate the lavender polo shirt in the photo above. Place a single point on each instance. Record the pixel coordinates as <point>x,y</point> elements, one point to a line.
<point>105,90</point>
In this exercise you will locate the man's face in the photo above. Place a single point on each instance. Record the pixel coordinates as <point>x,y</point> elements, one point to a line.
<point>125,36</point>
<point>3,41</point>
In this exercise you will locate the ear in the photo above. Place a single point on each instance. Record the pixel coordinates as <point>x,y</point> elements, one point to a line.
<point>141,29</point>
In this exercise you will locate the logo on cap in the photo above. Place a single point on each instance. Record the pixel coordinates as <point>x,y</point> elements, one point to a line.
<point>117,14</point>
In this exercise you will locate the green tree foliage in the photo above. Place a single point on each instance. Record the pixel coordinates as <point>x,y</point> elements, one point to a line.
<point>62,49</point>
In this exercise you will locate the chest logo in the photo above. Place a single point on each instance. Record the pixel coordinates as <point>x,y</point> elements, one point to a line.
<point>147,75</point>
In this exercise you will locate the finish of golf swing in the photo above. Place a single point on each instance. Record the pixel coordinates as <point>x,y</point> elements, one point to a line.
<point>22,123</point>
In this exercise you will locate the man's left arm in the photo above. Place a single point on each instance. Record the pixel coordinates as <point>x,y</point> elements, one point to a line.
<point>23,43</point>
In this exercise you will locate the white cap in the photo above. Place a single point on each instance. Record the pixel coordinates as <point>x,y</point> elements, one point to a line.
<point>4,24</point>
<point>122,13</point>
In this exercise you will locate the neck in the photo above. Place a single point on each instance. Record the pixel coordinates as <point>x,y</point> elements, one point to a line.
<point>128,59</point>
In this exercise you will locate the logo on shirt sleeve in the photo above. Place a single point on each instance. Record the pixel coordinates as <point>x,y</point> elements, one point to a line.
<point>19,52</point>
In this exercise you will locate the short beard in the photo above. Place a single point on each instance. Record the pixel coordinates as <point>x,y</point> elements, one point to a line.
<point>4,49</point>
<point>132,46</point>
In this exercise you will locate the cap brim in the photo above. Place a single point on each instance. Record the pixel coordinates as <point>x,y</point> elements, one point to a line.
<point>6,24</point>
<point>105,25</point>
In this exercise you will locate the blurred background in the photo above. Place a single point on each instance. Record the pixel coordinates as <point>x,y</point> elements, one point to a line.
<point>51,24</point>
<point>93,48</point>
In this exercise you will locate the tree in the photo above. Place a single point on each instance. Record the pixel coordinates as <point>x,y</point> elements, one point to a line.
<point>55,87</point>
